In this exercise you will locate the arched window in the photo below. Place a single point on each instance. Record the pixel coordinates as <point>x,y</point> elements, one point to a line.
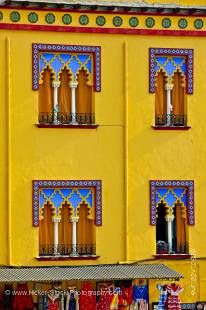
<point>172,211</point>
<point>171,79</point>
<point>67,216</point>
<point>67,76</point>
<point>170,99</point>
<point>171,229</point>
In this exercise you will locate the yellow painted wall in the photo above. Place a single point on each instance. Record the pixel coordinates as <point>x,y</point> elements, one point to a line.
<point>3,157</point>
<point>165,155</point>
<point>153,154</point>
<point>64,153</point>
<point>100,154</point>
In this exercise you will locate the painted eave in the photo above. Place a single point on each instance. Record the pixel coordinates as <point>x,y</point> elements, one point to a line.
<point>106,5</point>
<point>128,4</point>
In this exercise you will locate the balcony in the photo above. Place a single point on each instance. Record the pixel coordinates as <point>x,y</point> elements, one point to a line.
<point>48,250</point>
<point>60,118</point>
<point>178,250</point>
<point>170,120</point>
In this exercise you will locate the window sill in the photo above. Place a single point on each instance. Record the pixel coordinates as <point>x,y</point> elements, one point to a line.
<point>94,126</point>
<point>66,257</point>
<point>171,127</point>
<point>172,256</point>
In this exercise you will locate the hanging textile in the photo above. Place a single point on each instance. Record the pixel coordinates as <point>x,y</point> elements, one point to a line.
<point>178,94</point>
<point>61,300</point>
<point>160,96</point>
<point>7,298</point>
<point>87,300</point>
<point>53,300</point>
<point>85,227</point>
<point>173,301</point>
<point>84,93</point>
<point>46,93</point>
<point>115,301</point>
<point>127,295</point>
<point>42,302</point>
<point>143,305</point>
<point>119,299</point>
<point>105,300</point>
<point>140,292</point>
<point>22,300</point>
<point>64,93</point>
<point>163,296</point>
<point>72,299</point>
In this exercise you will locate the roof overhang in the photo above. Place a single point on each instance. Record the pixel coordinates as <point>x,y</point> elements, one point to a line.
<point>91,272</point>
<point>109,5</point>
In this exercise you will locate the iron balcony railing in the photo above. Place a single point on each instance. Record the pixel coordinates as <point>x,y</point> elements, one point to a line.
<point>67,249</point>
<point>170,120</point>
<point>60,118</point>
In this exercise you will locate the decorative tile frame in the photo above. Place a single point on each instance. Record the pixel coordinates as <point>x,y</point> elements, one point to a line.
<point>94,50</point>
<point>172,183</point>
<point>188,53</point>
<point>37,184</point>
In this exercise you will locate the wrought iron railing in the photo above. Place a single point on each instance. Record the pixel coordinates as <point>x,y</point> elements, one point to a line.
<point>170,120</point>
<point>67,249</point>
<point>60,118</point>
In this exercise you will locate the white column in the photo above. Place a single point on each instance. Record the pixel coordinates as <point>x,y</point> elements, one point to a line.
<point>169,235</point>
<point>169,103</point>
<point>56,235</point>
<point>73,86</point>
<point>74,220</point>
<point>55,103</point>
<point>169,219</point>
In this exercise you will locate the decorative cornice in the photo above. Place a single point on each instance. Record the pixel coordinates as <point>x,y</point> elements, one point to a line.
<point>106,3</point>
<point>100,22</point>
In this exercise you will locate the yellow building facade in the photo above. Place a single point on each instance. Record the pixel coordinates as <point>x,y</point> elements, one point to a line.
<point>134,147</point>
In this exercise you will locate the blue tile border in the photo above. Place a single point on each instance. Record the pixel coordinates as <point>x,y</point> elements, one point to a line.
<point>37,184</point>
<point>188,53</point>
<point>38,47</point>
<point>172,183</point>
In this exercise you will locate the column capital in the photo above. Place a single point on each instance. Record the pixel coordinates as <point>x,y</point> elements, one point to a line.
<point>169,86</point>
<point>73,84</point>
<point>56,219</point>
<point>169,217</point>
<point>55,83</point>
<point>74,219</point>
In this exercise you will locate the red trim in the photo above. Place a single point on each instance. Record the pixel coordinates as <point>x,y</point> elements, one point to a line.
<point>106,11</point>
<point>59,258</point>
<point>103,30</point>
<point>172,256</point>
<point>171,127</point>
<point>68,126</point>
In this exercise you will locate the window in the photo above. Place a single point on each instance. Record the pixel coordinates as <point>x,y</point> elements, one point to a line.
<point>66,78</point>
<point>171,79</point>
<point>67,213</point>
<point>172,210</point>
